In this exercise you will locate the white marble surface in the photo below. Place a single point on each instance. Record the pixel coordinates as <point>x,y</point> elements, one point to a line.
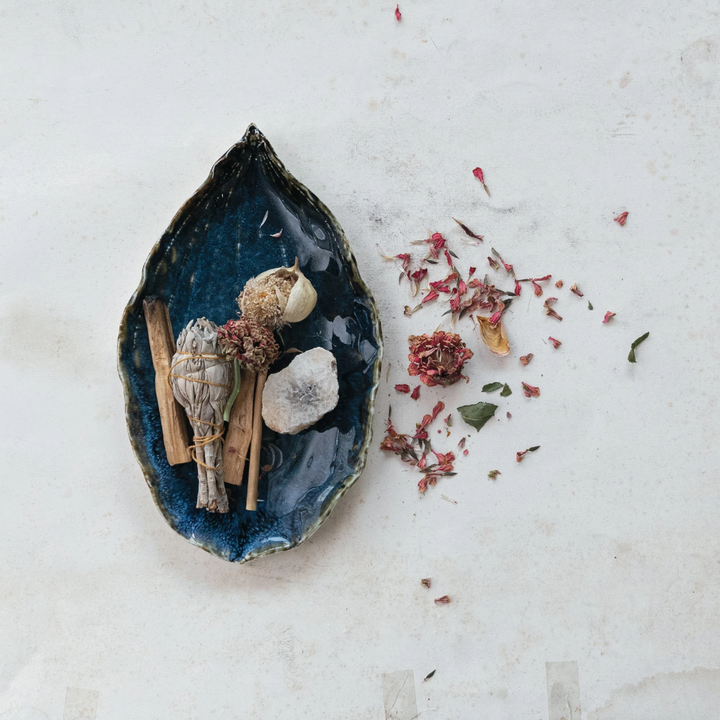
<point>600,549</point>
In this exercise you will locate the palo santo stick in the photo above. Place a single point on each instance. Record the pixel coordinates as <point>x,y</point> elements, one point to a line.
<point>257,423</point>
<point>172,415</point>
<point>239,431</point>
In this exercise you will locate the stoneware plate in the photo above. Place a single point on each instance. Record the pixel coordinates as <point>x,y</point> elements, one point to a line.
<point>215,243</point>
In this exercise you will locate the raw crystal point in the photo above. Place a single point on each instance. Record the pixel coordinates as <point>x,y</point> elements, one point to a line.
<point>298,396</point>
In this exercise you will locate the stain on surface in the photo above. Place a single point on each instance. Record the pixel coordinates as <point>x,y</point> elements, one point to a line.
<point>665,696</point>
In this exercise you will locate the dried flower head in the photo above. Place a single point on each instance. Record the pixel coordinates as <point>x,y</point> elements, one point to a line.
<point>250,342</point>
<point>438,358</point>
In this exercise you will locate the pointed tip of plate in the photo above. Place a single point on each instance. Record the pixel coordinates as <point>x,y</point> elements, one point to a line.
<point>252,134</point>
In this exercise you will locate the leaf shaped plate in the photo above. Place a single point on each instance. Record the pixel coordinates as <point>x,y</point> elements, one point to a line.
<point>225,234</point>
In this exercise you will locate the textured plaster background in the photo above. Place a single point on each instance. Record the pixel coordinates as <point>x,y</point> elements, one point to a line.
<point>600,549</point>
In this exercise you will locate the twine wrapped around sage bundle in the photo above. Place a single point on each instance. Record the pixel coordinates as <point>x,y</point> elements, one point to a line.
<point>202,380</point>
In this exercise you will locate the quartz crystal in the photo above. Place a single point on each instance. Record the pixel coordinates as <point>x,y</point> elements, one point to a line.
<point>298,396</point>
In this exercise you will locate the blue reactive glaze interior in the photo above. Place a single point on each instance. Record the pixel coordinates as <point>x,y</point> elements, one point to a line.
<point>216,242</point>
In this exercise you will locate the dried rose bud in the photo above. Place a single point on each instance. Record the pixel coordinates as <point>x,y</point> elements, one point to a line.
<point>525,359</point>
<point>621,219</point>
<point>555,343</point>
<point>279,296</point>
<point>575,289</point>
<point>438,358</point>
<point>250,342</point>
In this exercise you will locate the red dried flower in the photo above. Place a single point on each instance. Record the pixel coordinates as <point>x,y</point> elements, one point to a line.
<point>398,14</point>
<point>438,358</point>
<point>555,343</point>
<point>402,388</point>
<point>621,219</point>
<point>608,315</point>
<point>525,359</point>
<point>530,390</point>
<point>250,342</point>
<point>415,394</point>
<point>518,288</point>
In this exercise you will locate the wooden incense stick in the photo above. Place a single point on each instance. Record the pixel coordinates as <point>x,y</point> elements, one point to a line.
<point>239,431</point>
<point>257,423</point>
<point>162,348</point>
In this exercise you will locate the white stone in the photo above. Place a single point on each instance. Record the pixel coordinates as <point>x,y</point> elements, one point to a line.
<point>298,396</point>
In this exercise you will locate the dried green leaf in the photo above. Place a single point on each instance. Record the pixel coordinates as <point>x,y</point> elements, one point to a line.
<point>478,414</point>
<point>534,448</point>
<point>590,307</point>
<point>491,387</point>
<point>642,338</point>
<point>505,391</point>
<point>429,675</point>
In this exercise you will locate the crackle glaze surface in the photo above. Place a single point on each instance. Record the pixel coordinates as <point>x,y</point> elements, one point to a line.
<point>220,238</point>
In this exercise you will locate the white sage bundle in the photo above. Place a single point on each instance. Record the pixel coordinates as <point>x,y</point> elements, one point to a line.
<point>202,380</point>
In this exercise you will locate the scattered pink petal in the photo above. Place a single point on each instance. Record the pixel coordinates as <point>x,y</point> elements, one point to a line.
<point>530,390</point>
<point>468,231</point>
<point>555,343</point>
<point>465,452</point>
<point>478,173</point>
<point>509,415</point>
<point>472,271</point>
<point>608,315</point>
<point>415,394</point>
<point>402,388</point>
<point>398,14</point>
<point>518,288</point>
<point>525,359</point>
<point>548,309</point>
<point>462,442</point>
<point>621,219</point>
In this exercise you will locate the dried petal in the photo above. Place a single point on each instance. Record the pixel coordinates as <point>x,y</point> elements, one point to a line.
<point>525,359</point>
<point>425,582</point>
<point>494,336</point>
<point>555,343</point>
<point>444,600</point>
<point>402,388</point>
<point>548,309</point>
<point>559,284</point>
<point>468,231</point>
<point>494,264</point>
<point>621,219</point>
<point>478,173</point>
<point>530,390</point>
<point>608,315</point>
<point>398,14</point>
<point>518,288</point>
<point>493,474</point>
<point>415,394</point>
<point>520,455</point>
<point>574,288</point>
